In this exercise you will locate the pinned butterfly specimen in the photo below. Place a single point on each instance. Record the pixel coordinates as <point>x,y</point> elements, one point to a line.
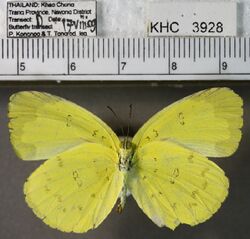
<point>165,166</point>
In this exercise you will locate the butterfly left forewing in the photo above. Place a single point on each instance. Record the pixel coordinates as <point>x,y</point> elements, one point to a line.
<point>174,185</point>
<point>75,190</point>
<point>43,125</point>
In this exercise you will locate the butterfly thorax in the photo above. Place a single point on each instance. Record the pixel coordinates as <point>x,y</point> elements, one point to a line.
<point>125,154</point>
<point>125,162</point>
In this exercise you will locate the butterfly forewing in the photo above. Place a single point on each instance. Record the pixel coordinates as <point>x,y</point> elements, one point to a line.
<point>207,122</point>
<point>42,125</point>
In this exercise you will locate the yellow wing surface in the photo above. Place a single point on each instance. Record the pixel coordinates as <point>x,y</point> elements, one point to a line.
<point>75,190</point>
<point>174,185</point>
<point>207,122</point>
<point>42,125</point>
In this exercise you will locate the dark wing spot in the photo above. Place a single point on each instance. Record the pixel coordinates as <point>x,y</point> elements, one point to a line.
<point>181,118</point>
<point>59,162</point>
<point>80,208</point>
<point>144,177</point>
<point>95,132</point>
<point>69,120</point>
<point>148,138</point>
<point>75,174</point>
<point>92,195</point>
<point>194,194</point>
<point>190,158</point>
<point>204,185</point>
<point>171,180</point>
<point>174,206</point>
<point>176,173</point>
<point>156,133</point>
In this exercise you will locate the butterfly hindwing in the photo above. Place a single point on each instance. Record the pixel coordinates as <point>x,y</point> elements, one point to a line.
<point>42,125</point>
<point>75,190</point>
<point>207,122</point>
<point>174,185</point>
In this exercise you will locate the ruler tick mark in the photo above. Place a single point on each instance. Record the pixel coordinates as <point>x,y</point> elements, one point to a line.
<point>78,48</point>
<point>63,49</point>
<point>174,48</point>
<point>98,48</point>
<point>184,47</point>
<point>58,48</point>
<point>83,47</point>
<point>245,49</point>
<point>148,47</point>
<point>28,48</point>
<point>88,47</point>
<point>128,40</point>
<point>164,47</point>
<point>189,47</point>
<point>214,45</point>
<point>43,50</point>
<point>239,39</point>
<point>103,48</point>
<point>73,47</point>
<point>108,48</point>
<point>153,47</point>
<point>234,40</point>
<point>48,49</point>
<point>93,50</point>
<point>230,47</point>
<point>143,49</point>
<point>32,48</point>
<point>194,50</point>
<point>179,48</point>
<point>12,48</point>
<point>159,47</point>
<point>133,47</point>
<point>53,48</point>
<point>199,49</point>
<point>38,48</point>
<point>204,47</point>
<point>7,48</point>
<point>209,47</point>
<point>139,47</point>
<point>22,48</point>
<point>224,47</point>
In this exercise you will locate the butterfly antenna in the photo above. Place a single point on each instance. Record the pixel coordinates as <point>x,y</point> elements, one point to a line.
<point>118,119</point>
<point>129,122</point>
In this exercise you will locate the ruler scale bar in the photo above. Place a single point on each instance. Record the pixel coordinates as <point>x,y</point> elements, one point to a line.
<point>125,58</point>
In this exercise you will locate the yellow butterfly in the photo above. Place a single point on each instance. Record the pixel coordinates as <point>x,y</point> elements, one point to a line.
<point>164,167</point>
